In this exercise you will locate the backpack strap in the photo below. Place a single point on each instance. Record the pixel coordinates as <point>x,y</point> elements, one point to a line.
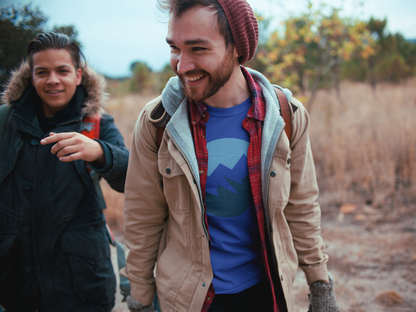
<point>4,113</point>
<point>91,128</point>
<point>159,135</point>
<point>285,111</point>
<point>160,119</point>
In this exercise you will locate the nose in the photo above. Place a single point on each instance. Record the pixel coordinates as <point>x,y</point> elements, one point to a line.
<point>184,63</point>
<point>53,78</point>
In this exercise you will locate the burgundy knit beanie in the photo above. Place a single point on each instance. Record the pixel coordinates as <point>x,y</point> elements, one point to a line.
<point>244,28</point>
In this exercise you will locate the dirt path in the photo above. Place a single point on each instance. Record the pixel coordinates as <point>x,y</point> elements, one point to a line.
<point>372,257</point>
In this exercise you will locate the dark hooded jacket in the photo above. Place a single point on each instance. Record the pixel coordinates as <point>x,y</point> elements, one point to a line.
<point>53,245</point>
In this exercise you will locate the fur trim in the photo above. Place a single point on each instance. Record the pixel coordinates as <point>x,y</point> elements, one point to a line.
<point>95,85</point>
<point>93,82</point>
<point>18,82</point>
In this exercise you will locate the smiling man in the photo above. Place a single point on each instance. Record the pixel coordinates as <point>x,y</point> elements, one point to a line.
<point>219,194</point>
<point>54,252</point>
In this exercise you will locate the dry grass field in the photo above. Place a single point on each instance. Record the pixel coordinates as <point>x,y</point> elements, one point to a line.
<point>364,145</point>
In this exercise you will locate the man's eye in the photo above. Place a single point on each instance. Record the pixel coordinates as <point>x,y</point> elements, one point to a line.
<point>198,49</point>
<point>173,47</point>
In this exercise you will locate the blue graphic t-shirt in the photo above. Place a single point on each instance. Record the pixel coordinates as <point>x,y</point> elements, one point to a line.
<point>235,240</point>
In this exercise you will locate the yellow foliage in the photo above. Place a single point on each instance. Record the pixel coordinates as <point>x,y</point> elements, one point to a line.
<point>311,42</point>
<point>273,56</point>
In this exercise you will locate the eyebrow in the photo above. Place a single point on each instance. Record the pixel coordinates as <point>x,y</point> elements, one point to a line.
<point>59,67</point>
<point>190,42</point>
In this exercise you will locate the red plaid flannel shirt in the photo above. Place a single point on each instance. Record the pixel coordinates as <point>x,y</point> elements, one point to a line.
<point>253,125</point>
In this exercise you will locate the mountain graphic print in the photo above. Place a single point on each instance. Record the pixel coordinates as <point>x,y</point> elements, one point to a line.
<point>229,195</point>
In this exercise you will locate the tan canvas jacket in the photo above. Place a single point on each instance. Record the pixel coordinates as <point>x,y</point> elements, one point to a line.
<point>164,213</point>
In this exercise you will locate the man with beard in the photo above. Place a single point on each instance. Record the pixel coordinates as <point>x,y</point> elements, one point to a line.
<point>217,194</point>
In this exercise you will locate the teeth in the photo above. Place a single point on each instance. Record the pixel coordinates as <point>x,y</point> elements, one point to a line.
<point>195,78</point>
<point>54,92</point>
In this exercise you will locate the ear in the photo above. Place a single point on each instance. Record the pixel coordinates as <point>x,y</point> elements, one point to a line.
<point>236,58</point>
<point>79,76</point>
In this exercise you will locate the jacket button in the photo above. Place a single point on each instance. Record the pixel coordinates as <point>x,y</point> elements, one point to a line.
<point>168,170</point>
<point>25,229</point>
<point>281,277</point>
<point>34,142</point>
<point>27,187</point>
<point>273,174</point>
<point>203,284</point>
<point>289,161</point>
<point>28,268</point>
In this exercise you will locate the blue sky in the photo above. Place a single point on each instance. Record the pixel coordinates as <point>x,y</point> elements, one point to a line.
<point>116,33</point>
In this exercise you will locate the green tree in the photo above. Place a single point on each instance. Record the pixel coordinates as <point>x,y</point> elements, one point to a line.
<point>142,76</point>
<point>394,58</point>
<point>19,25</point>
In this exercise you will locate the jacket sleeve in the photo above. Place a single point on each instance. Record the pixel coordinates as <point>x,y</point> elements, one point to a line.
<point>302,212</point>
<point>116,154</point>
<point>145,211</point>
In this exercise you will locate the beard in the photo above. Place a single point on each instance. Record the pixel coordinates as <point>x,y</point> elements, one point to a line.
<point>216,79</point>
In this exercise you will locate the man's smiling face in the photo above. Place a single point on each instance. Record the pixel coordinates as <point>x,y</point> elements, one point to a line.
<point>55,79</point>
<point>199,55</point>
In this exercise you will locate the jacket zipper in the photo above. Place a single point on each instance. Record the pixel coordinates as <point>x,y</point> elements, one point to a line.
<point>69,122</point>
<point>199,188</point>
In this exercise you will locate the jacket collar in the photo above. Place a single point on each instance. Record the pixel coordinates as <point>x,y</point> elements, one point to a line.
<point>175,104</point>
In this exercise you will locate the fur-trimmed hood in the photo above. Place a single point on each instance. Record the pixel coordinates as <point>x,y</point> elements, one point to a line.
<point>93,82</point>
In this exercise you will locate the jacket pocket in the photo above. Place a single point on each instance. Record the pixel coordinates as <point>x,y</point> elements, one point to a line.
<point>175,185</point>
<point>172,272</point>
<point>8,254</point>
<point>89,259</point>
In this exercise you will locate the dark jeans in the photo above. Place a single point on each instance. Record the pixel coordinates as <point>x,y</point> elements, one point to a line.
<point>254,299</point>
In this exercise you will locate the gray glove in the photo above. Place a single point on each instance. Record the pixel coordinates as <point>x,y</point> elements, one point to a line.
<point>135,306</point>
<point>322,296</point>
